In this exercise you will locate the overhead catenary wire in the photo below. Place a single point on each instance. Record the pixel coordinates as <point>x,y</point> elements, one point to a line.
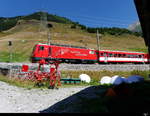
<point>106,19</point>
<point>90,20</point>
<point>118,19</point>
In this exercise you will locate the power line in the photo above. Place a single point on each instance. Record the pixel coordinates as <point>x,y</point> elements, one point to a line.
<point>93,20</point>
<point>99,22</point>
<point>99,18</point>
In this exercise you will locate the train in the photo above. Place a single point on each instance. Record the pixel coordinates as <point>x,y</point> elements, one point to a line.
<point>82,55</point>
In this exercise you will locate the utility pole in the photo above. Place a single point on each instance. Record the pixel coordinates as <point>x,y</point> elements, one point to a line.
<point>49,37</point>
<point>10,50</point>
<point>98,40</point>
<point>44,25</point>
<point>10,57</point>
<point>98,45</point>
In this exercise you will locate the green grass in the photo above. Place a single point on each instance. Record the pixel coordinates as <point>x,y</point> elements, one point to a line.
<point>145,50</point>
<point>16,57</point>
<point>18,82</point>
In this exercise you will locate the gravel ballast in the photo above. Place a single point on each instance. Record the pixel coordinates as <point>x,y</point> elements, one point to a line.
<point>20,100</point>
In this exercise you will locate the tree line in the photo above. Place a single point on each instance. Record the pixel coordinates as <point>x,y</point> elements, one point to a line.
<point>106,30</point>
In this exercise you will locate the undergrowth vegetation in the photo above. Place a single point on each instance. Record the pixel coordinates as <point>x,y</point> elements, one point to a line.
<point>97,75</point>
<point>95,78</point>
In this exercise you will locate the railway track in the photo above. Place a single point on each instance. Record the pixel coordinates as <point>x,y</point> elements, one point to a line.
<point>5,67</point>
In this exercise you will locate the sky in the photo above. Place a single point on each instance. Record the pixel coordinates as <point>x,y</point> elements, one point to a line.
<point>92,13</point>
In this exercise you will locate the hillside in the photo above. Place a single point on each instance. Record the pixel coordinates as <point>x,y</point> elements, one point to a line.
<point>26,33</point>
<point>9,22</point>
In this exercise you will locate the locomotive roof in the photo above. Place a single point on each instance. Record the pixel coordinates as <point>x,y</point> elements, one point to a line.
<point>87,48</point>
<point>64,45</point>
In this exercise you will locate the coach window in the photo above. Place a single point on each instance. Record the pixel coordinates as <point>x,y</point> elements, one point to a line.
<point>110,55</point>
<point>140,56</point>
<point>115,55</point>
<point>105,54</point>
<point>123,55</point>
<point>119,55</point>
<point>41,47</point>
<point>101,54</point>
<point>136,56</point>
<point>132,56</point>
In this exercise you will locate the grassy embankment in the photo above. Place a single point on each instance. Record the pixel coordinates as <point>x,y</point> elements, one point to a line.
<point>95,77</point>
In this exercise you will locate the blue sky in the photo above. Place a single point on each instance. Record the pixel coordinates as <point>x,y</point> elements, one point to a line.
<point>92,13</point>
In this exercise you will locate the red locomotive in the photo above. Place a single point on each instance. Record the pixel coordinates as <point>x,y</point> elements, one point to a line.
<point>72,54</point>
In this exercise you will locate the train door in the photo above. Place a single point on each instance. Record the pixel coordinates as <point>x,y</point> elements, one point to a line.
<point>105,57</point>
<point>141,58</point>
<point>49,51</point>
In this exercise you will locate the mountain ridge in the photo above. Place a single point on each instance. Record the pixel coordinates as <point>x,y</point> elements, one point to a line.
<point>8,23</point>
<point>135,27</point>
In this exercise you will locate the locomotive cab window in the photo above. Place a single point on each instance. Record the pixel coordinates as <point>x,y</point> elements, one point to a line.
<point>41,47</point>
<point>91,52</point>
